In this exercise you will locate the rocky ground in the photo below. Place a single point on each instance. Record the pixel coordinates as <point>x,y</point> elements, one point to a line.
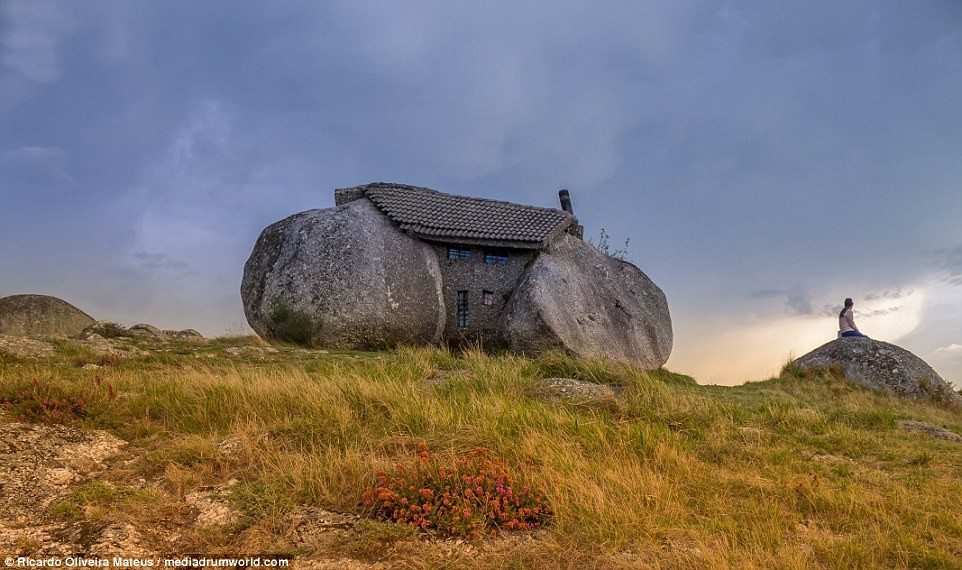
<point>41,465</point>
<point>44,467</point>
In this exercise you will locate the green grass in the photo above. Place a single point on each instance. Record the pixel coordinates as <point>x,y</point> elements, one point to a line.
<point>95,499</point>
<point>803,470</point>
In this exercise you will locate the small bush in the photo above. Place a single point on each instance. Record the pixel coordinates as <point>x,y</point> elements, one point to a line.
<point>96,498</point>
<point>111,330</point>
<point>604,248</point>
<point>477,495</point>
<point>44,402</point>
<point>291,325</point>
<point>261,499</point>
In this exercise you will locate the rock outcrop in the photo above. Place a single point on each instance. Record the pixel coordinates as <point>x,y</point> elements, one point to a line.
<point>578,393</point>
<point>29,315</point>
<point>343,277</point>
<point>577,298</point>
<point>146,330</point>
<point>883,366</point>
<point>107,329</point>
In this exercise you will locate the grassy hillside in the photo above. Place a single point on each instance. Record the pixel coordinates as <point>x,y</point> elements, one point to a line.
<point>801,471</point>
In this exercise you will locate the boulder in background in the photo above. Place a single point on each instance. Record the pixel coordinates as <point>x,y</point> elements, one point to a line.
<point>883,366</point>
<point>30,315</point>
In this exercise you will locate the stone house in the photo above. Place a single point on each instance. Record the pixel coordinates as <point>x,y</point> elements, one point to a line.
<point>397,264</point>
<point>483,246</point>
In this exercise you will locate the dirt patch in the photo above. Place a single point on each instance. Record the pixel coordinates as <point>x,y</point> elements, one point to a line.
<point>41,464</point>
<point>44,465</point>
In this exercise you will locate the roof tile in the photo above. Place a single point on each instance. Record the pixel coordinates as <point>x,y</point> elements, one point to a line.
<point>430,213</point>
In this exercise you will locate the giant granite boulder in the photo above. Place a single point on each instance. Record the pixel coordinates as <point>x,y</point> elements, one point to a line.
<point>29,315</point>
<point>350,273</point>
<point>883,366</point>
<point>577,298</point>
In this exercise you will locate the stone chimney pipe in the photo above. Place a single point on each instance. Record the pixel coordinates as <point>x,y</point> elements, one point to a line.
<point>565,201</point>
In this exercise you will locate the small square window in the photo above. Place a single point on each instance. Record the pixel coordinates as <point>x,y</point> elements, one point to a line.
<point>459,253</point>
<point>495,257</point>
<point>487,297</point>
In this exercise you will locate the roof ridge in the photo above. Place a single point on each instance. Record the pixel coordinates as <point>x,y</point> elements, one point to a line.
<point>392,185</point>
<point>429,214</point>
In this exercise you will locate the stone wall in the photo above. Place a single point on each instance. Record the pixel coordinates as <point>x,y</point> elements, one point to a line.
<point>475,276</point>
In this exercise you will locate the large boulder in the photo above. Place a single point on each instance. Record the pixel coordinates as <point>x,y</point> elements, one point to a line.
<point>577,298</point>
<point>883,366</point>
<point>29,315</point>
<point>347,274</point>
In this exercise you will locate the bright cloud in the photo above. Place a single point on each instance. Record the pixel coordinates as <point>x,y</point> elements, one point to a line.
<point>718,352</point>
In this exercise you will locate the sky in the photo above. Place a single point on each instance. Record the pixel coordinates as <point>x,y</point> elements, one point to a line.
<point>763,159</point>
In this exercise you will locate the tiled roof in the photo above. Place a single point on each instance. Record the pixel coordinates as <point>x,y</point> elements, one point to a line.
<point>430,214</point>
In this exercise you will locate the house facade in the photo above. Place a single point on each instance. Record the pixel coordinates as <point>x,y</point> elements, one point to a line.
<point>483,246</point>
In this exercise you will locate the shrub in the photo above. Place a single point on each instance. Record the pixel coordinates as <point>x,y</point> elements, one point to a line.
<point>45,402</point>
<point>477,495</point>
<point>111,330</point>
<point>604,248</point>
<point>291,325</point>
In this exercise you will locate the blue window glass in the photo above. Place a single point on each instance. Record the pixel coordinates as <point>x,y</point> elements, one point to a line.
<point>495,257</point>
<point>463,319</point>
<point>459,253</point>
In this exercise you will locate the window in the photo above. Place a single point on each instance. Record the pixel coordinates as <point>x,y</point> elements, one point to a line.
<point>495,257</point>
<point>487,297</point>
<point>463,309</point>
<point>458,253</point>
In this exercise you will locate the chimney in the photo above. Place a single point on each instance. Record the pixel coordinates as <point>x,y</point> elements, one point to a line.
<point>565,201</point>
<point>575,229</point>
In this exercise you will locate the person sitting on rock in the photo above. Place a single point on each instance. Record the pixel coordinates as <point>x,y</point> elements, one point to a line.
<point>846,321</point>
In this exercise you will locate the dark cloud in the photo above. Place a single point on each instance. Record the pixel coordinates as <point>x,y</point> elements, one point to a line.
<point>742,147</point>
<point>800,301</point>
<point>893,294</point>
<point>797,299</point>
<point>766,294</point>
<point>160,262</point>
<point>880,312</point>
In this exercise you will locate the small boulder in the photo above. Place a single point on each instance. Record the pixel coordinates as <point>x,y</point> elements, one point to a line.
<point>578,393</point>
<point>30,315</point>
<point>589,304</point>
<point>186,334</point>
<point>148,331</point>
<point>930,430</point>
<point>343,277</point>
<point>883,366</point>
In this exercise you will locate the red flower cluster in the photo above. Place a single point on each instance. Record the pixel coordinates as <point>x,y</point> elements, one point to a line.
<point>44,402</point>
<point>475,496</point>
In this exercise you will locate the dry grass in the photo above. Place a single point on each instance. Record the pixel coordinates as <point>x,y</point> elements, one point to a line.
<point>800,471</point>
